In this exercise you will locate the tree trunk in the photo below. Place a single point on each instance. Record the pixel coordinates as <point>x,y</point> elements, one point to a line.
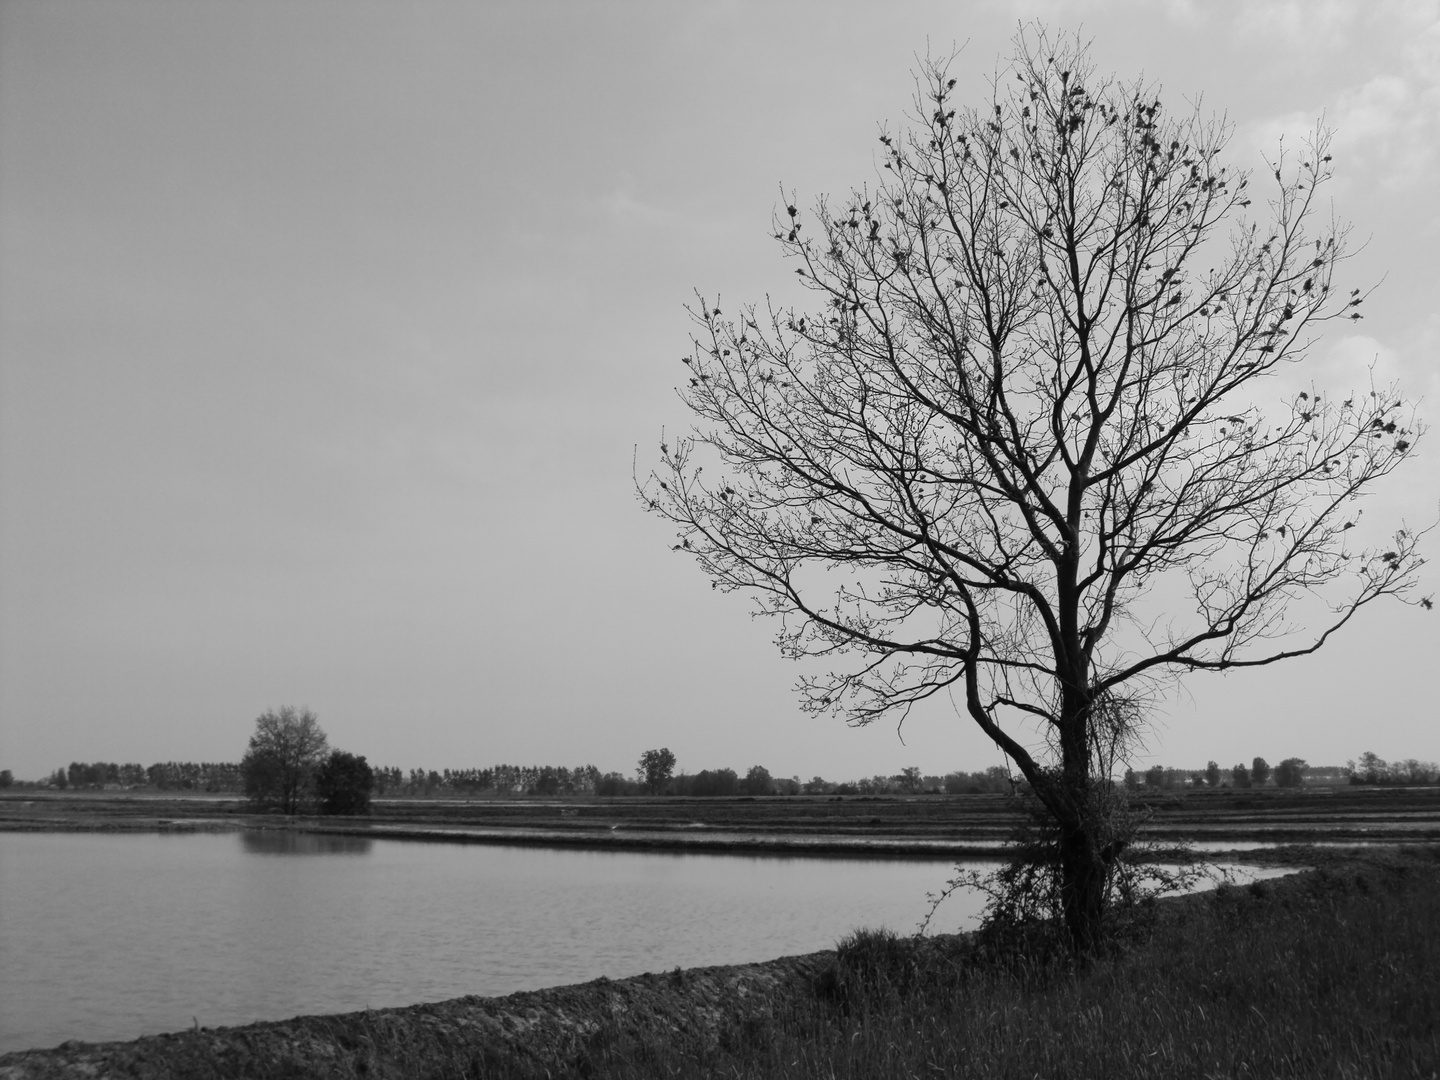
<point>1082,887</point>
<point>1082,869</point>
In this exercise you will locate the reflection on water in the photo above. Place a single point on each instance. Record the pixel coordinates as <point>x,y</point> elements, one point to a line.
<point>281,842</point>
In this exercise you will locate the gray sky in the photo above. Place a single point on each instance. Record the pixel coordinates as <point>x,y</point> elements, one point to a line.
<point>328,332</point>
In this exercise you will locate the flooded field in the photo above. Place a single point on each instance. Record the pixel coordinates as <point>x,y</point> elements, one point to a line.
<point>942,826</point>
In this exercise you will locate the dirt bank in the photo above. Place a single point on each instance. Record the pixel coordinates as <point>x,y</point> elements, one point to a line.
<point>554,1028</point>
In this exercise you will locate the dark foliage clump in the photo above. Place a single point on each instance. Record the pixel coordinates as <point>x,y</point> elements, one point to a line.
<point>343,783</point>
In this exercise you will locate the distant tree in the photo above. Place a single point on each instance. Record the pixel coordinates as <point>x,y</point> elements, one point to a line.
<point>1155,776</point>
<point>1290,772</point>
<point>343,783</point>
<point>279,766</point>
<point>1259,771</point>
<point>757,781</point>
<point>788,785</point>
<point>817,785</point>
<point>1212,774</point>
<point>7,778</point>
<point>1418,772</point>
<point>1240,776</point>
<point>612,784</point>
<point>655,770</point>
<point>714,782</point>
<point>59,780</point>
<point>548,780</point>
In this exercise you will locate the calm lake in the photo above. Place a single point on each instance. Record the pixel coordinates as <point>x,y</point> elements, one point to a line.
<point>106,936</point>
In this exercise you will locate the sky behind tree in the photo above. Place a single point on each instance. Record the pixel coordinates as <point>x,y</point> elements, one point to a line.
<point>330,334</point>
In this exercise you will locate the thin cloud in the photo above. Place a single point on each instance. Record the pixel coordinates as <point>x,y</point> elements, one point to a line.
<point>1386,124</point>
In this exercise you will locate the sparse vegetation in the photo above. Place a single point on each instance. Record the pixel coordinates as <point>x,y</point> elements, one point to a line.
<point>1329,976</point>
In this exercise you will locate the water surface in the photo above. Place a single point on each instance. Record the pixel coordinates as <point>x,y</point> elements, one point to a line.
<point>106,936</point>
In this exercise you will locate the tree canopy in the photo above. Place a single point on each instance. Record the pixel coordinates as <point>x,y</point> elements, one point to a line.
<point>279,765</point>
<point>1022,450</point>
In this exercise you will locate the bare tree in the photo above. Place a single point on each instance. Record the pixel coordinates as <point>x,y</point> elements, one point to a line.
<point>279,766</point>
<point>1020,454</point>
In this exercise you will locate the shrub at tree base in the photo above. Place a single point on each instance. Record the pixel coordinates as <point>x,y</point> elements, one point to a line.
<point>343,783</point>
<point>1024,914</point>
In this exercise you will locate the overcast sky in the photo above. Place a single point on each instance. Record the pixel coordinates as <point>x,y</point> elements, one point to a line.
<point>329,332</point>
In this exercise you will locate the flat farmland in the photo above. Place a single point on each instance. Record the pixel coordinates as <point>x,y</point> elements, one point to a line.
<point>934,825</point>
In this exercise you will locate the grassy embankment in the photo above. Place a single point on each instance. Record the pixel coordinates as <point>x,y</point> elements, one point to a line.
<point>1332,975</point>
<point>1327,973</point>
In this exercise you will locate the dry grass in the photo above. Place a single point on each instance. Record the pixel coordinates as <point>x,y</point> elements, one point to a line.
<point>1332,978</point>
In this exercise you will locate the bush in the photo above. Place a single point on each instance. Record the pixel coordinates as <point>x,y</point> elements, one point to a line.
<point>1024,915</point>
<point>343,783</point>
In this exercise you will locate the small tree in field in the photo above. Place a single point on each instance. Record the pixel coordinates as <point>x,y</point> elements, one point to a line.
<point>1021,452</point>
<point>757,781</point>
<point>1290,772</point>
<point>278,768</point>
<point>656,768</point>
<point>343,783</point>
<point>1259,771</point>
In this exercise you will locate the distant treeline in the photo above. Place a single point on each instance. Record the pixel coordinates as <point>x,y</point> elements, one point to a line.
<point>163,776</point>
<point>708,783</point>
<point>1292,772</point>
<point>1373,769</point>
<point>496,780</point>
<point>510,780</point>
<point>518,780</point>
